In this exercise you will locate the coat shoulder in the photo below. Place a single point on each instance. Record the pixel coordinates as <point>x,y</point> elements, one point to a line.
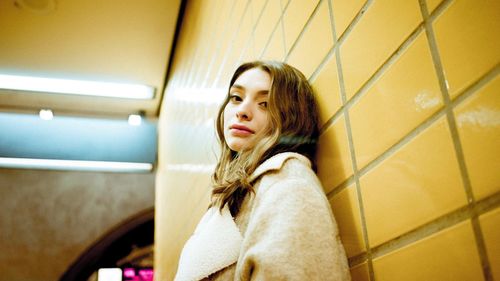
<point>293,172</point>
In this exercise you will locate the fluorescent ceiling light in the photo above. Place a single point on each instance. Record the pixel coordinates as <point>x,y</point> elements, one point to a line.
<point>46,114</point>
<point>134,119</point>
<point>75,165</point>
<point>76,87</point>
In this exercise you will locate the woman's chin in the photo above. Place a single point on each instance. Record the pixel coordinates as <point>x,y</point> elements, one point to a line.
<point>239,147</point>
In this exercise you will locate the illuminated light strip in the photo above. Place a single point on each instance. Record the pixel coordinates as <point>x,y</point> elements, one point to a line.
<point>75,165</point>
<point>76,87</point>
<point>191,168</point>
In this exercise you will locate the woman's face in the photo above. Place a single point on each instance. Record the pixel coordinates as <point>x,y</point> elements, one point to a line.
<point>246,113</point>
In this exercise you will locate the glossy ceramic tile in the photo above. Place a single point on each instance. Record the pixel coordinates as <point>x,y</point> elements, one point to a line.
<point>239,11</point>
<point>489,226</point>
<point>468,41</point>
<point>360,272</point>
<point>327,90</point>
<point>266,24</point>
<point>344,12</point>
<point>306,56</point>
<point>276,48</point>
<point>406,94</point>
<point>448,255</point>
<point>242,41</point>
<point>345,206</point>
<point>478,124</point>
<point>210,26</point>
<point>249,54</point>
<point>257,7</point>
<point>374,38</point>
<point>333,156</point>
<point>295,17</point>
<point>432,4</point>
<point>417,184</point>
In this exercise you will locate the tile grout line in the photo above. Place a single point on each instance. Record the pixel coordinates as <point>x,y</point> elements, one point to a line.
<point>452,125</point>
<point>432,227</point>
<point>438,11</point>
<point>251,38</point>
<point>356,173</point>
<point>230,47</point>
<point>283,9</point>
<point>347,124</point>
<point>276,27</point>
<point>303,30</point>
<point>475,86</point>
<point>193,77</point>
<point>220,44</point>
<point>197,53</point>
<point>330,52</point>
<point>338,41</point>
<point>327,59</point>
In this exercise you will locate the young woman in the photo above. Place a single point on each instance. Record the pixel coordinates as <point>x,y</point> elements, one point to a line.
<point>269,218</point>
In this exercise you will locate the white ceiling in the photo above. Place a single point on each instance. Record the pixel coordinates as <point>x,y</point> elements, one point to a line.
<point>104,40</point>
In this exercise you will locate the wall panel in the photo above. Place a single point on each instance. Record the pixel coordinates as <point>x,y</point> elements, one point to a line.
<point>408,149</point>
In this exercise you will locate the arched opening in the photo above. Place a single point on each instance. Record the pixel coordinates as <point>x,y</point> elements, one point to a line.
<point>126,245</point>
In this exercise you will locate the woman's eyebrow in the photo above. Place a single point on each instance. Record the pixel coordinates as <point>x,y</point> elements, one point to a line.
<point>240,87</point>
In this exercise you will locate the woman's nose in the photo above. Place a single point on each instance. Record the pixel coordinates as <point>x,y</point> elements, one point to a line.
<point>244,111</point>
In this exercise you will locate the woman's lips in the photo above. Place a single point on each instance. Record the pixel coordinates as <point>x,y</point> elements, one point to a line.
<point>240,130</point>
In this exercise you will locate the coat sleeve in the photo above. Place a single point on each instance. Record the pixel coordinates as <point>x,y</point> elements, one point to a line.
<point>291,235</point>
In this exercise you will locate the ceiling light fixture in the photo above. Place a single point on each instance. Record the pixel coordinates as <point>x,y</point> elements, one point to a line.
<point>76,87</point>
<point>134,119</point>
<point>74,165</point>
<point>46,114</point>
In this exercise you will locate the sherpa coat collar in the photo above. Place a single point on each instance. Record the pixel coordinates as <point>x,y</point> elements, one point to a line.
<point>214,245</point>
<point>276,162</point>
<point>216,242</point>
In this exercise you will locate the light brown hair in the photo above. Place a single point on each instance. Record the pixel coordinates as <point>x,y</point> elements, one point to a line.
<point>293,127</point>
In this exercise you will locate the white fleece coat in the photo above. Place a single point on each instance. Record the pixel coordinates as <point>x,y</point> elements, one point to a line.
<point>286,231</point>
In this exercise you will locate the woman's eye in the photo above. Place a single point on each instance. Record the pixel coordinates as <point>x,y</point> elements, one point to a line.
<point>235,98</point>
<point>263,104</point>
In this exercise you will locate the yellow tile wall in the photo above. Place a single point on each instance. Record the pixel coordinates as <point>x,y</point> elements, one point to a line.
<point>295,17</point>
<point>478,122</point>
<point>276,48</point>
<point>447,255</point>
<point>409,88</point>
<point>327,89</point>
<point>432,4</point>
<point>334,157</point>
<point>345,207</point>
<point>266,24</point>
<point>468,41</point>
<point>307,56</point>
<point>360,272</point>
<point>489,224</point>
<point>410,126</point>
<point>377,30</point>
<point>421,181</point>
<point>344,12</point>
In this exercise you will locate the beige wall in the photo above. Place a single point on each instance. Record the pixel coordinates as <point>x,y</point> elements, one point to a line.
<point>409,154</point>
<point>49,218</point>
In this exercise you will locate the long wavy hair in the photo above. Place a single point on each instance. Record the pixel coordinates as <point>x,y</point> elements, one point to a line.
<point>293,127</point>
